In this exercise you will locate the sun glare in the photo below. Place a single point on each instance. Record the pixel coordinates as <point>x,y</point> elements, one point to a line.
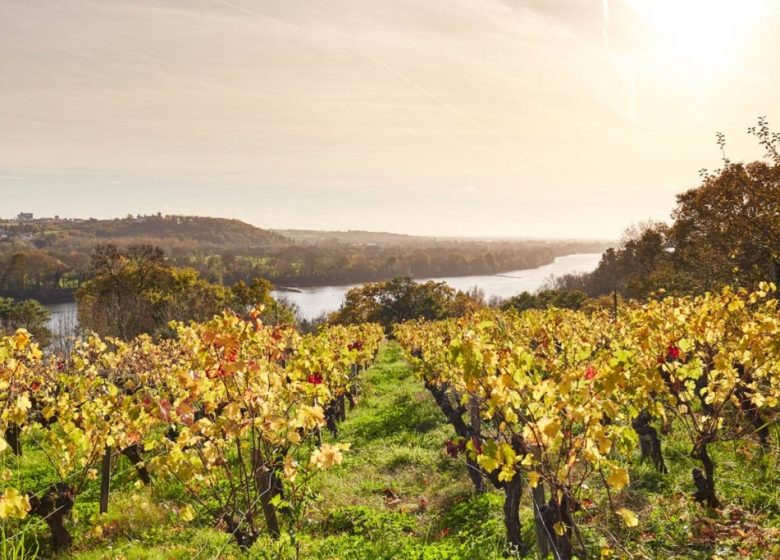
<point>699,35</point>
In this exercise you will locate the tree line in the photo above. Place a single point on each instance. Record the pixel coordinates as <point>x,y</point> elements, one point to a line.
<point>48,260</point>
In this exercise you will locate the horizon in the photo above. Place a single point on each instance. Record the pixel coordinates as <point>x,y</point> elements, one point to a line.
<point>57,217</point>
<point>474,118</point>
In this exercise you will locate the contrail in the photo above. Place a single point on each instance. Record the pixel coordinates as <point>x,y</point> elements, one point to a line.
<point>142,56</point>
<point>430,95</point>
<point>252,12</point>
<point>391,70</point>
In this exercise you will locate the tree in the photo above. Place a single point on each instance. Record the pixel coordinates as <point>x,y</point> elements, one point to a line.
<point>562,299</point>
<point>127,291</point>
<point>27,314</point>
<point>258,293</point>
<point>635,267</point>
<point>402,299</point>
<point>728,229</point>
<point>137,291</point>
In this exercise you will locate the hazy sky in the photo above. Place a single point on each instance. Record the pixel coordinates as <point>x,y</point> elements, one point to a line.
<point>467,117</point>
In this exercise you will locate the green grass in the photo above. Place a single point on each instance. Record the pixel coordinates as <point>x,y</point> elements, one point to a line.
<point>397,495</point>
<point>393,495</point>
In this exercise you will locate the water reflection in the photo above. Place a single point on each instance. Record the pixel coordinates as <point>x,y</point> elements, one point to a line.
<point>313,302</point>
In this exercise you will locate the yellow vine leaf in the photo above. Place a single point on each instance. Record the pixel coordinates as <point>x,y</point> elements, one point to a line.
<point>560,528</point>
<point>629,517</point>
<point>487,462</point>
<point>549,426</point>
<point>328,455</point>
<point>21,339</point>
<point>187,513</point>
<point>618,479</point>
<point>13,504</point>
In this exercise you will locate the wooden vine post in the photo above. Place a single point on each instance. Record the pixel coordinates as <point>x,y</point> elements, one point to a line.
<point>105,480</point>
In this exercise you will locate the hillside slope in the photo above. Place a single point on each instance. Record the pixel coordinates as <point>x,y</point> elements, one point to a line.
<point>169,232</point>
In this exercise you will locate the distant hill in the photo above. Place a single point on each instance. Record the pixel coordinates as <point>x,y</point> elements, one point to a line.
<point>173,233</point>
<point>351,237</point>
<point>360,237</point>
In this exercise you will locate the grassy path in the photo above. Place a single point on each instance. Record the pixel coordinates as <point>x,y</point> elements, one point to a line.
<point>397,494</point>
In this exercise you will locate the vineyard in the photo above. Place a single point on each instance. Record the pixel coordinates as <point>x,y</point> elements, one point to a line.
<point>560,401</point>
<point>232,411</point>
<point>557,433</point>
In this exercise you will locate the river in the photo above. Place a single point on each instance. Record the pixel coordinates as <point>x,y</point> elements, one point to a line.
<point>313,302</point>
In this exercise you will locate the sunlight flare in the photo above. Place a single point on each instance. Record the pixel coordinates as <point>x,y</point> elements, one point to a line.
<point>701,35</point>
